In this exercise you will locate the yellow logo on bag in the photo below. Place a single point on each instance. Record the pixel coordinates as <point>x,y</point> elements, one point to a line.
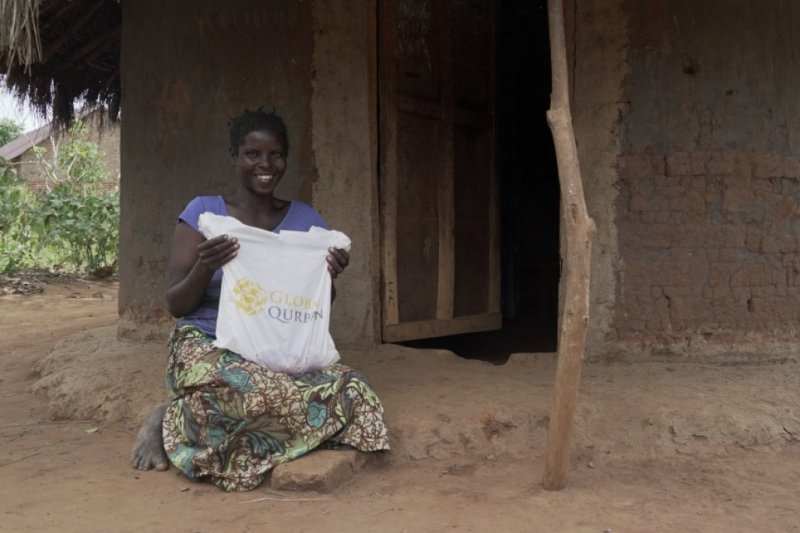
<point>249,296</point>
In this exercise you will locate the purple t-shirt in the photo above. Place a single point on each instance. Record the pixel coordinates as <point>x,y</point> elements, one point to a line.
<point>299,217</point>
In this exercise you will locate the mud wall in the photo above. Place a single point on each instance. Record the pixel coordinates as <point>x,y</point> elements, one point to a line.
<point>597,42</point>
<point>344,133</point>
<point>684,120</point>
<point>185,71</point>
<point>706,182</point>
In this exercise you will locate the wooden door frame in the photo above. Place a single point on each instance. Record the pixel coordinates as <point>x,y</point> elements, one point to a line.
<point>384,83</point>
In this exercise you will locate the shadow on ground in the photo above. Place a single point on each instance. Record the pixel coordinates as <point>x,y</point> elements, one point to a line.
<point>525,335</point>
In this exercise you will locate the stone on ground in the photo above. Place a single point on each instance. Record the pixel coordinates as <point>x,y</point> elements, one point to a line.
<point>320,470</point>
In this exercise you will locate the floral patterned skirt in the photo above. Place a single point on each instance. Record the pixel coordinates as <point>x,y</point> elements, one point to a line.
<point>231,421</point>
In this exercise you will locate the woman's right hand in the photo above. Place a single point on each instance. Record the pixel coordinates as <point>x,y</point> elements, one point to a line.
<point>214,253</point>
<point>192,264</point>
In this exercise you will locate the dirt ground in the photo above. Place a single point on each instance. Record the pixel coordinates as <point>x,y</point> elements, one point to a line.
<point>658,447</point>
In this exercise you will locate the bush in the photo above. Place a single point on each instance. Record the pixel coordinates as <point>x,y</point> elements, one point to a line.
<point>82,224</point>
<point>9,130</point>
<point>73,223</point>
<point>18,240</point>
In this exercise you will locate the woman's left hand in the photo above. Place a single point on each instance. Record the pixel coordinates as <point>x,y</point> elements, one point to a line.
<point>338,260</point>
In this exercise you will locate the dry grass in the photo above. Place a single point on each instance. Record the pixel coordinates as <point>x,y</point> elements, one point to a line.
<point>19,32</point>
<point>62,56</point>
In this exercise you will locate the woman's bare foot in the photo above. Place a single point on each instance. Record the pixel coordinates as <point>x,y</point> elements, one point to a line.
<point>148,450</point>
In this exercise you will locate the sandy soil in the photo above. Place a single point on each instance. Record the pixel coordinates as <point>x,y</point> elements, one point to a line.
<point>722,456</point>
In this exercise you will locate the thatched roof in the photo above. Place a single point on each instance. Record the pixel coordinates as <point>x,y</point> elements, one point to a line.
<point>62,54</point>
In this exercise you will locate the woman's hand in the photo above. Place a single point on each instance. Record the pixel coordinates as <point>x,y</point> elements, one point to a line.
<point>338,260</point>
<point>213,253</point>
<point>192,265</point>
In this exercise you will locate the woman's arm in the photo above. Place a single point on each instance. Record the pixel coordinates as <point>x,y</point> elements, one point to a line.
<point>191,266</point>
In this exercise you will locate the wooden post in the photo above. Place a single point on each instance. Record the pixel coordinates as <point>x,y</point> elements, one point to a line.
<point>579,229</point>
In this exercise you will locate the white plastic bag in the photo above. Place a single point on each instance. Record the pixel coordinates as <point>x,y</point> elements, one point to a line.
<point>274,308</point>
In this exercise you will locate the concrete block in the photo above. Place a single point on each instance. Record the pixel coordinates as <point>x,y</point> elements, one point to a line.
<point>753,239</point>
<point>678,164</point>
<point>677,291</point>
<point>732,255</point>
<point>720,163</point>
<point>720,275</point>
<point>698,269</point>
<point>720,292</point>
<point>664,217</point>
<point>793,274</point>
<point>767,165</point>
<point>321,470</point>
<point>635,166</point>
<point>773,243</point>
<point>791,167</point>
<point>647,202</point>
<point>737,199</point>
<point>648,217</point>
<point>697,161</point>
<point>763,185</point>
<point>659,166</point>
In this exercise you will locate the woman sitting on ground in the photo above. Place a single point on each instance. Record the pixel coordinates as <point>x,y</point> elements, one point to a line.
<point>230,421</point>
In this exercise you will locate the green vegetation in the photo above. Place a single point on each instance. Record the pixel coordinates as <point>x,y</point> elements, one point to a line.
<point>71,223</point>
<point>9,130</point>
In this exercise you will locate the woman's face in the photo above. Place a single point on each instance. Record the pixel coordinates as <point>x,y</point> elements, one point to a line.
<point>260,162</point>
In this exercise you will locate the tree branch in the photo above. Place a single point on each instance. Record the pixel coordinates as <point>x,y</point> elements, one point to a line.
<point>579,229</point>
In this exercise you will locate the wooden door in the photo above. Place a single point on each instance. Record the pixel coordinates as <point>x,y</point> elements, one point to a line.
<point>439,197</point>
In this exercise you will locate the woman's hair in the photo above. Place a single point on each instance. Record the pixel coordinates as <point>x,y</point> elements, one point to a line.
<point>258,120</point>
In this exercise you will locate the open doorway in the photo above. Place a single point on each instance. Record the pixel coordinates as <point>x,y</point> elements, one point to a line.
<point>529,189</point>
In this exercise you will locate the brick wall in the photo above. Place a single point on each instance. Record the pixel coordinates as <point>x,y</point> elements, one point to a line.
<point>708,245</point>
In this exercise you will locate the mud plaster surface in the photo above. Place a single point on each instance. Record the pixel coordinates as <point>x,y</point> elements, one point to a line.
<point>440,405</point>
<point>657,446</point>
